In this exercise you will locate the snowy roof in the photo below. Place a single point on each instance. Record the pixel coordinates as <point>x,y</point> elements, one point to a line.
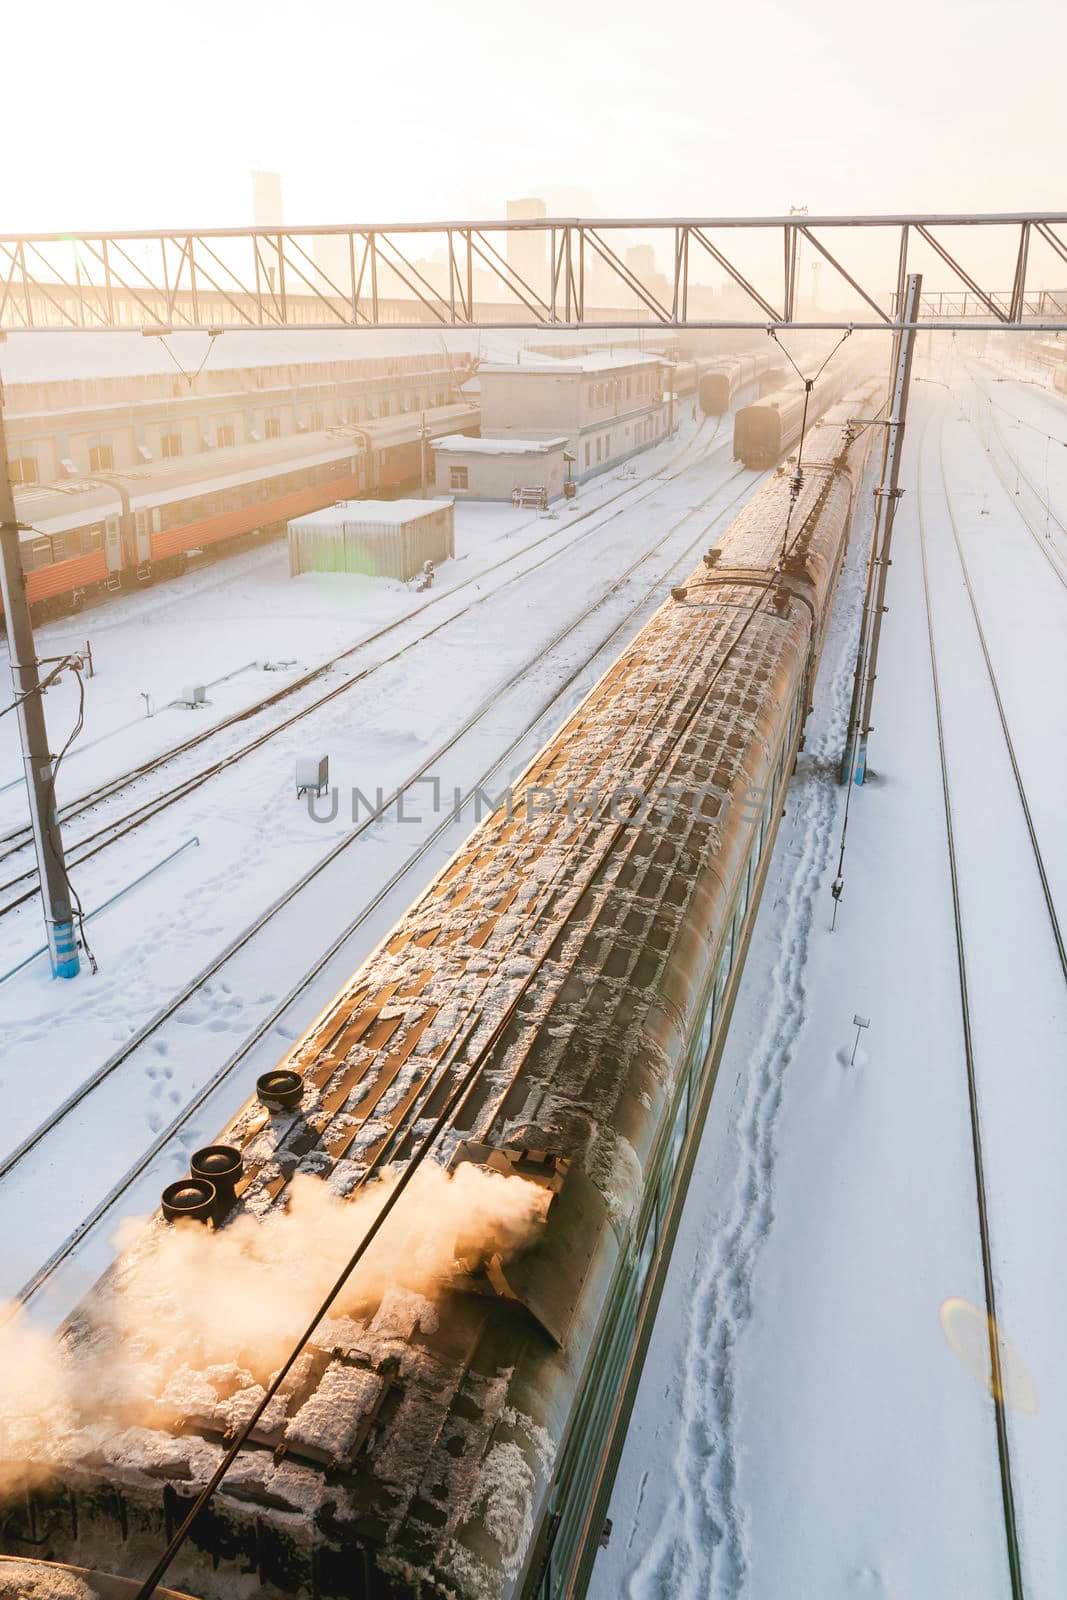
<point>497,447</point>
<point>598,361</point>
<point>392,512</point>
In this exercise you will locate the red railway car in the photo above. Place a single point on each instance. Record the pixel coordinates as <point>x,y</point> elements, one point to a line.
<point>122,528</point>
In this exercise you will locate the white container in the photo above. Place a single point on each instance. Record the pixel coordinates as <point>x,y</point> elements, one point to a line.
<point>312,773</point>
<point>379,538</point>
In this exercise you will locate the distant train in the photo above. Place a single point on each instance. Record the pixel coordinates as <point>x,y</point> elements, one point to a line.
<point>766,430</point>
<point>123,528</point>
<point>725,379</point>
<point>717,380</point>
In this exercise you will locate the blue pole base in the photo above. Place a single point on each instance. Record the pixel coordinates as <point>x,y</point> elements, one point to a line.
<point>63,950</point>
<point>861,760</point>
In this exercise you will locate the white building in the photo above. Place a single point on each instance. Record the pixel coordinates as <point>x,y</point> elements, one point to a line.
<point>606,405</point>
<point>494,469</point>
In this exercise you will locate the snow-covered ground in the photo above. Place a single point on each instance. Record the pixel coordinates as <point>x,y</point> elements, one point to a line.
<point>804,1426</point>
<point>473,679</point>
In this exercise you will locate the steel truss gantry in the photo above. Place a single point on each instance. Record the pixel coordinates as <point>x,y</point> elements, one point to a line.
<point>562,273</point>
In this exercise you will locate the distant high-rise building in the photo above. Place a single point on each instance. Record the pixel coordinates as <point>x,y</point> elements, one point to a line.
<point>528,252</point>
<point>267,199</point>
<point>641,260</point>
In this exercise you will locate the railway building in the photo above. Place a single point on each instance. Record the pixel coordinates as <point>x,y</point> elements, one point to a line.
<point>607,405</point>
<point>58,431</point>
<point>500,469</point>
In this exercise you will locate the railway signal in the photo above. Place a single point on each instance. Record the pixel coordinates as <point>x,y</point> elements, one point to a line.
<point>859,1023</point>
<point>33,734</point>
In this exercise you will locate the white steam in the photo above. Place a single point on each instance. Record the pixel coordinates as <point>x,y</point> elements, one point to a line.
<point>187,1297</point>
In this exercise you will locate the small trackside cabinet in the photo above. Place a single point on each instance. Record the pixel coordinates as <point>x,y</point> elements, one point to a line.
<point>312,774</point>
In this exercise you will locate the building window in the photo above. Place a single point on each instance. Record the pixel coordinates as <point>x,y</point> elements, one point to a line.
<point>587,452</point>
<point>272,428</point>
<point>628,384</point>
<point>458,478</point>
<point>170,444</point>
<point>599,448</point>
<point>315,421</point>
<point>224,435</point>
<point>101,458</point>
<point>383,409</point>
<point>24,470</point>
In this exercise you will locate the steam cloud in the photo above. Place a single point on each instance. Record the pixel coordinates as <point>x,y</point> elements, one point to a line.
<point>185,1297</point>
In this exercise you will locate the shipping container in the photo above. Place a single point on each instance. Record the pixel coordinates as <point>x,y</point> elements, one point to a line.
<point>380,538</point>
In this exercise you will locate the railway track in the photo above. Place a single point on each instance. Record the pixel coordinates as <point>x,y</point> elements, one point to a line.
<point>268,921</point>
<point>1009,743</point>
<point>1044,544</point>
<point>950,805</point>
<point>91,844</point>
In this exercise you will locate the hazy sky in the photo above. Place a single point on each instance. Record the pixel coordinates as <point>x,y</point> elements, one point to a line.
<point>123,115</point>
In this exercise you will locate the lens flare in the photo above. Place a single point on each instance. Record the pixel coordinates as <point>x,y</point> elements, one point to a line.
<point>968,1330</point>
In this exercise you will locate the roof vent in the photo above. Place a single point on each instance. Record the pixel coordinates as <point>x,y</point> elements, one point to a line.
<point>280,1091</point>
<point>192,1198</point>
<point>220,1165</point>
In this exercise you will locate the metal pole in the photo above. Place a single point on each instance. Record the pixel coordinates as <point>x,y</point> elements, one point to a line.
<point>37,761</point>
<point>891,493</point>
<point>848,755</point>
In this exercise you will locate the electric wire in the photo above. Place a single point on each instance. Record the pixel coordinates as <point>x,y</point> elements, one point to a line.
<point>190,377</point>
<point>809,384</point>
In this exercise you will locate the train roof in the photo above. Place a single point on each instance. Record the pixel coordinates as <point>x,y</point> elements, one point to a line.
<point>44,508</point>
<point>53,508</point>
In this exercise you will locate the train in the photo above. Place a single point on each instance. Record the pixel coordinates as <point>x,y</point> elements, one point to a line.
<point>768,428</point>
<point>129,527</point>
<point>718,380</point>
<point>728,377</point>
<point>552,1011</point>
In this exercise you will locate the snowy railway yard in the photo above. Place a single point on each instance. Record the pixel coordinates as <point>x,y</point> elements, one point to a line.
<point>210,968</point>
<point>816,1415</point>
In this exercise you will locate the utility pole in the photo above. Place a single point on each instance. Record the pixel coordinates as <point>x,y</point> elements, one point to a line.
<point>37,761</point>
<point>887,494</point>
